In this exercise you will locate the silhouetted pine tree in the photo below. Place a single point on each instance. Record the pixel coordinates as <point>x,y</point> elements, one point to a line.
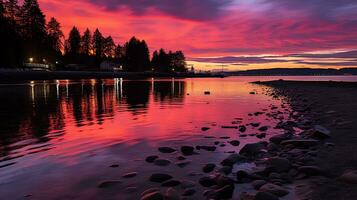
<point>108,48</point>
<point>137,57</point>
<point>86,43</point>
<point>33,30</point>
<point>73,45</point>
<point>54,40</point>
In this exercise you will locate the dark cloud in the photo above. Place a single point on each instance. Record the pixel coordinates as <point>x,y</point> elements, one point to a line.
<point>323,9</point>
<point>238,60</point>
<point>184,9</point>
<point>346,54</point>
<point>330,64</point>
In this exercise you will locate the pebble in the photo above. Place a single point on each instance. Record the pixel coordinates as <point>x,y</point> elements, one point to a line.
<point>207,148</point>
<point>182,164</point>
<point>263,128</point>
<point>242,128</point>
<point>172,194</point>
<point>114,166</point>
<point>185,184</point>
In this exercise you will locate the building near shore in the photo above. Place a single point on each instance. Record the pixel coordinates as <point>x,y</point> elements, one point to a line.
<point>110,66</point>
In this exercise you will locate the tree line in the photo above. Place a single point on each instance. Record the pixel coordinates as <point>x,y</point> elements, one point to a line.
<point>26,36</point>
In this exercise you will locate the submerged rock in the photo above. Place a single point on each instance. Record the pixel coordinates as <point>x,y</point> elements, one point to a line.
<point>263,128</point>
<point>187,150</point>
<point>182,164</point>
<point>160,178</point>
<point>208,168</point>
<point>234,143</point>
<point>162,162</point>
<point>108,183</point>
<point>265,196</point>
<point>171,183</point>
<point>166,149</point>
<point>207,148</point>
<point>205,128</point>
<point>242,128</point>
<point>151,159</point>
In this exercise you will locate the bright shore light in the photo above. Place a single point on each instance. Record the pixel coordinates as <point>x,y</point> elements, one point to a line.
<point>31,60</point>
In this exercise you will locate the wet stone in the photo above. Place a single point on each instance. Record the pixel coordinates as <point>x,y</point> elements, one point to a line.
<point>114,166</point>
<point>278,164</point>
<point>242,128</point>
<point>207,148</point>
<point>263,128</point>
<point>153,196</point>
<point>182,164</point>
<point>274,189</point>
<point>258,183</point>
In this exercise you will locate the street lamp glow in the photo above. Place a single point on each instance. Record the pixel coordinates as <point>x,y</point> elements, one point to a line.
<point>31,60</point>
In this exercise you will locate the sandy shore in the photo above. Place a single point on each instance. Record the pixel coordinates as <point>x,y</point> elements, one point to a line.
<point>332,105</point>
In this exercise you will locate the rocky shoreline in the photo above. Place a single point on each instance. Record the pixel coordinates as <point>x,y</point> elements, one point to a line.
<point>285,165</point>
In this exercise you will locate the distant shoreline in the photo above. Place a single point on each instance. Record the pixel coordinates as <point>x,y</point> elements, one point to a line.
<point>9,76</point>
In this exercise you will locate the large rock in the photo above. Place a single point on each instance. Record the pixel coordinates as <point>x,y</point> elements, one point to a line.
<point>304,143</point>
<point>277,139</point>
<point>349,177</point>
<point>311,170</point>
<point>232,159</point>
<point>274,189</point>
<point>321,132</point>
<point>265,196</point>
<point>160,178</point>
<point>277,164</point>
<point>253,148</point>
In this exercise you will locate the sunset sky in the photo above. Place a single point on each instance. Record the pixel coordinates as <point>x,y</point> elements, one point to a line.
<point>238,34</point>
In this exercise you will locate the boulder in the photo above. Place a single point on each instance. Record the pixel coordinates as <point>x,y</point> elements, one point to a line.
<point>349,177</point>
<point>278,164</point>
<point>253,148</point>
<point>274,189</point>
<point>321,132</point>
<point>304,143</point>
<point>265,196</point>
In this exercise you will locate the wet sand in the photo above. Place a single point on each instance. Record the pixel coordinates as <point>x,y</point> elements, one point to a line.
<point>333,105</point>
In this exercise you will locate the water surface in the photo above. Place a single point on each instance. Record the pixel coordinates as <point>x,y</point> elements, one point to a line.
<point>58,138</point>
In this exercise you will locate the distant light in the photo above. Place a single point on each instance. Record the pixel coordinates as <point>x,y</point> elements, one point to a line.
<point>44,60</point>
<point>56,62</point>
<point>152,69</point>
<point>173,69</point>
<point>31,59</point>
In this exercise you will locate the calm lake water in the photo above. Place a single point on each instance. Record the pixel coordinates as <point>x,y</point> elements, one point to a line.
<point>58,138</point>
